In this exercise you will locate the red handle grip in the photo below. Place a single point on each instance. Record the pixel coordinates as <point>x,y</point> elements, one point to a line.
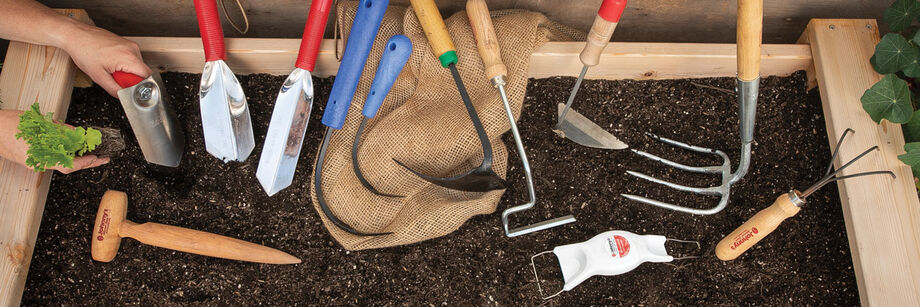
<point>212,36</point>
<point>313,34</point>
<point>126,79</point>
<point>611,10</point>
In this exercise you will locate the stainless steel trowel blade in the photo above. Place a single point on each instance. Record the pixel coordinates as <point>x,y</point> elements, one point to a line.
<point>152,119</point>
<point>224,114</point>
<point>286,132</point>
<point>583,131</point>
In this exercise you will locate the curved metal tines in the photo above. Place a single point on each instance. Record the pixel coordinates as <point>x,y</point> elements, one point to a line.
<point>723,190</point>
<point>357,166</point>
<point>831,175</point>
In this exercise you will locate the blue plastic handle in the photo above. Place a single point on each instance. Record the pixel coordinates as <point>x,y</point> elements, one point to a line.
<point>360,39</point>
<point>397,52</point>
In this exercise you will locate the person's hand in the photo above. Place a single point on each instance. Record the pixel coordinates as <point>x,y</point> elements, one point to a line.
<point>84,162</point>
<point>99,53</point>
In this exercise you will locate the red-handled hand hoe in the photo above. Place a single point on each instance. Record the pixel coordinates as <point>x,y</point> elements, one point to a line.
<point>570,124</point>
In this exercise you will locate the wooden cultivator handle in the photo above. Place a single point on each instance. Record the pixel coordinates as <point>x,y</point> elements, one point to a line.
<point>486,40</point>
<point>601,31</point>
<point>435,30</point>
<point>750,29</point>
<point>759,226</point>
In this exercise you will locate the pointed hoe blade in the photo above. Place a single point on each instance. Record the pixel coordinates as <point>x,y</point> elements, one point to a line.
<point>286,132</point>
<point>583,131</point>
<point>224,114</point>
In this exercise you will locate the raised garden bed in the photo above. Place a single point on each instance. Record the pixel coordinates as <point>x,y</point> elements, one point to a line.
<point>882,266</point>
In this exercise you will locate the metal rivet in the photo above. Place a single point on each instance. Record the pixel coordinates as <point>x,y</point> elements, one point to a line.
<point>868,26</point>
<point>833,27</point>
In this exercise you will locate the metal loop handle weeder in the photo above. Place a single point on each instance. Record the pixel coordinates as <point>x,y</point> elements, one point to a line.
<point>750,25</point>
<point>495,69</point>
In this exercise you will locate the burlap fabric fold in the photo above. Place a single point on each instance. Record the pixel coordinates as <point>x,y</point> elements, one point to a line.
<point>424,124</point>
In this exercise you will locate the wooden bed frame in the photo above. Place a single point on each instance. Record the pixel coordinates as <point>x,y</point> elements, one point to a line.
<point>882,215</point>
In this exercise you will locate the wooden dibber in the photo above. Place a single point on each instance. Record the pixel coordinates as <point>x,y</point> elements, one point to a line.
<point>111,226</point>
<point>759,226</point>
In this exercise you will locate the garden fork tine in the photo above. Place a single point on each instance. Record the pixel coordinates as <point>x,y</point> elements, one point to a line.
<point>750,25</point>
<point>722,190</point>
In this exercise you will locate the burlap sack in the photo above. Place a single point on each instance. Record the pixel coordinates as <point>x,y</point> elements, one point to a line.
<point>424,124</point>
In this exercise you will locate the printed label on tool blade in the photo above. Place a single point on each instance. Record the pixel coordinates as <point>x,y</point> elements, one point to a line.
<point>619,246</point>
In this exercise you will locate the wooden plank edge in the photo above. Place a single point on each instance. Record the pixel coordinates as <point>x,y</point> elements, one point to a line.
<point>31,74</point>
<point>640,61</point>
<point>884,256</point>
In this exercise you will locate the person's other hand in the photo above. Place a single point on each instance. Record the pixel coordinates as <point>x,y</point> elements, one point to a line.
<point>84,162</point>
<point>99,53</point>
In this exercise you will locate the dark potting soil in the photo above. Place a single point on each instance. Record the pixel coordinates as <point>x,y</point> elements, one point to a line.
<point>805,262</point>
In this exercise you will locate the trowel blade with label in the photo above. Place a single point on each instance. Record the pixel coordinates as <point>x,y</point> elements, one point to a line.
<point>154,124</point>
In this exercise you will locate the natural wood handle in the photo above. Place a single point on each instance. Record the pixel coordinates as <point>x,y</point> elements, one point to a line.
<point>486,40</point>
<point>203,243</point>
<point>598,37</point>
<point>756,228</point>
<point>750,29</point>
<point>435,29</point>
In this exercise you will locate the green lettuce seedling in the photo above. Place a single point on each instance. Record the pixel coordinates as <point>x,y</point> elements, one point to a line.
<point>52,144</point>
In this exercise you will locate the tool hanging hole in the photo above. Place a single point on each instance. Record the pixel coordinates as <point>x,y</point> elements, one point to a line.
<point>392,46</point>
<point>368,4</point>
<point>373,93</point>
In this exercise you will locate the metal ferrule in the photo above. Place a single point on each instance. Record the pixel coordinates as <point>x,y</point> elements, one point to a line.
<point>747,113</point>
<point>747,104</point>
<point>796,200</point>
<point>498,81</point>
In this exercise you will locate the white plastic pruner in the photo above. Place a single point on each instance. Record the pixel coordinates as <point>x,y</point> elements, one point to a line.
<point>610,253</point>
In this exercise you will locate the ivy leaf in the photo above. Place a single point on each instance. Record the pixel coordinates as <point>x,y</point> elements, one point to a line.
<point>901,14</point>
<point>893,53</point>
<point>888,99</point>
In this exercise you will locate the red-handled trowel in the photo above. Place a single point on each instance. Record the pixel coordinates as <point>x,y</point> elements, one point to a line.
<point>224,112</point>
<point>292,108</point>
<point>153,121</point>
<point>571,124</point>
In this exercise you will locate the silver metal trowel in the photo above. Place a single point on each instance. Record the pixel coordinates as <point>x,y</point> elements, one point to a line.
<point>292,108</point>
<point>225,119</point>
<point>570,124</point>
<point>154,124</point>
